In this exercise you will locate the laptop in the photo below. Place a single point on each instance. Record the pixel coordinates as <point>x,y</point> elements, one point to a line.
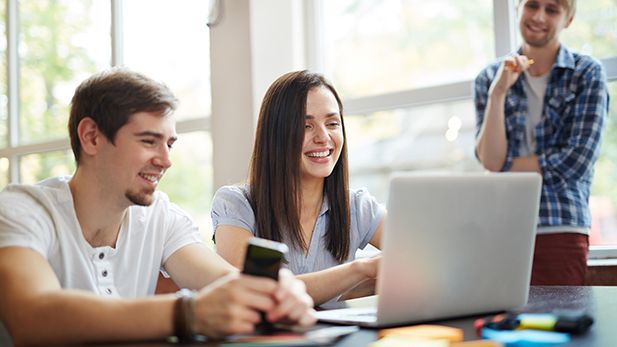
<point>454,245</point>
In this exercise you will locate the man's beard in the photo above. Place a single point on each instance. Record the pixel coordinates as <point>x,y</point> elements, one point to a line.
<point>537,42</point>
<point>141,198</point>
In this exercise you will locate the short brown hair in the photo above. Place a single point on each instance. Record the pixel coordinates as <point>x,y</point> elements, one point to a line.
<point>569,5</point>
<point>111,97</point>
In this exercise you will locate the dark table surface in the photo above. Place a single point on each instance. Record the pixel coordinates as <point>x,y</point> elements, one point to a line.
<point>598,302</point>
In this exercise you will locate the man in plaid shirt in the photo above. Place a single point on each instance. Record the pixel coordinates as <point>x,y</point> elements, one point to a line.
<point>542,109</point>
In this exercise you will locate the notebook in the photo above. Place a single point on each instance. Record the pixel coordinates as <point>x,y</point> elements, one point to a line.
<point>454,245</point>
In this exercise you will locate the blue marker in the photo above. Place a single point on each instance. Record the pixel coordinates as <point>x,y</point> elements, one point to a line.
<point>525,338</point>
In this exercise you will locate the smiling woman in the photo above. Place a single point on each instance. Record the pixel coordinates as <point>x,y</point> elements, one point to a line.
<point>323,135</point>
<point>298,192</point>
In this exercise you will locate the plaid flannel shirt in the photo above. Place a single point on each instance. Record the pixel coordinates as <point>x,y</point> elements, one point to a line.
<point>567,137</point>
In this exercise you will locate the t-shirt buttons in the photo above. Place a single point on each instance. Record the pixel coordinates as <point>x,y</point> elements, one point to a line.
<point>104,273</point>
<point>101,255</point>
<point>108,291</point>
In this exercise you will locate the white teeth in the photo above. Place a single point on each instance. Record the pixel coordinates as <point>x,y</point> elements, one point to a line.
<point>151,178</point>
<point>319,154</point>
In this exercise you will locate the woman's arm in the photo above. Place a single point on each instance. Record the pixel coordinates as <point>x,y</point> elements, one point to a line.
<point>321,285</point>
<point>351,280</point>
<point>329,283</point>
<point>231,243</point>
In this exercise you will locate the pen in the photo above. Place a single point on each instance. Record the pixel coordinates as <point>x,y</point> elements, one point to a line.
<point>509,64</point>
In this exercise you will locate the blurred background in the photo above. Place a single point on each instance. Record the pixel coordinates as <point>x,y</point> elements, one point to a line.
<point>403,67</point>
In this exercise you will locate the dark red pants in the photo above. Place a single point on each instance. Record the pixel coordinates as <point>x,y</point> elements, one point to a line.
<point>560,259</point>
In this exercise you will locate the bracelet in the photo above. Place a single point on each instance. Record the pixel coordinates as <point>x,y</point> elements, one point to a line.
<point>184,315</point>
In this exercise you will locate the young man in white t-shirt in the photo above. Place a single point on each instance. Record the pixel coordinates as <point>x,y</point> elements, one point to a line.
<point>80,255</point>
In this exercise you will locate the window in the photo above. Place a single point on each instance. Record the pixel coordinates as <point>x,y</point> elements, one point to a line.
<point>410,107</point>
<point>404,44</point>
<point>405,69</point>
<point>152,46</point>
<point>39,166</point>
<point>594,29</point>
<point>187,180</point>
<point>435,137</point>
<point>60,43</point>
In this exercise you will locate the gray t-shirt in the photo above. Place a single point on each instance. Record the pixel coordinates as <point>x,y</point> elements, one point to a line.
<point>534,90</point>
<point>231,207</point>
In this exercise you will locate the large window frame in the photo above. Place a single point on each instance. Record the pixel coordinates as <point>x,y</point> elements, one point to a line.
<point>505,30</point>
<point>14,149</point>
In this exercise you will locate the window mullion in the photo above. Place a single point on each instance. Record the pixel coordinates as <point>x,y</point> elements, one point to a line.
<point>314,36</point>
<point>504,14</point>
<point>409,98</point>
<point>117,33</point>
<point>12,33</point>
<point>610,66</point>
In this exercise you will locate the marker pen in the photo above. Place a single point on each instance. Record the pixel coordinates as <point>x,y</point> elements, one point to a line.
<point>568,323</point>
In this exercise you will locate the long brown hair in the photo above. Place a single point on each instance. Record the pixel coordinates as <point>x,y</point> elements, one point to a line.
<point>275,167</point>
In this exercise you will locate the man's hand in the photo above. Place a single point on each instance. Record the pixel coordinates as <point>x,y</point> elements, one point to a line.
<point>509,71</point>
<point>294,305</point>
<point>231,305</point>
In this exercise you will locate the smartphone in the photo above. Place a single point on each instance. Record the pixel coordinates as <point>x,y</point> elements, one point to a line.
<point>264,257</point>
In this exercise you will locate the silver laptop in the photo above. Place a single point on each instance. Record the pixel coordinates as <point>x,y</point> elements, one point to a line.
<point>454,245</point>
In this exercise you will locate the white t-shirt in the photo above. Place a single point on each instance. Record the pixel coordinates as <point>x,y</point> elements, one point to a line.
<point>42,217</point>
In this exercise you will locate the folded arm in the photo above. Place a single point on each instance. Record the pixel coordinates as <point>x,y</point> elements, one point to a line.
<point>491,142</point>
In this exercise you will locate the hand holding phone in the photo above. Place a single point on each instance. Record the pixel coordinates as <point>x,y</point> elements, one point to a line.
<point>263,258</point>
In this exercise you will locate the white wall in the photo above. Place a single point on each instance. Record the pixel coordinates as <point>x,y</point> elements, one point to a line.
<point>252,44</point>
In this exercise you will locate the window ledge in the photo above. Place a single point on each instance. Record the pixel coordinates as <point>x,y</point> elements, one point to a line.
<point>601,272</point>
<point>601,262</point>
